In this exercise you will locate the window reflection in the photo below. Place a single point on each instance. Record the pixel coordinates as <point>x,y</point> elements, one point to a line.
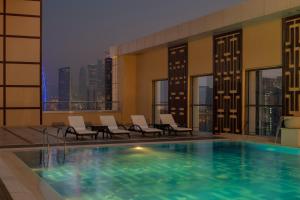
<point>160,105</point>
<point>203,103</point>
<point>264,102</point>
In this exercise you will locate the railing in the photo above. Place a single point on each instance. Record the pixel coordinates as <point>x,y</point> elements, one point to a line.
<point>279,126</point>
<point>46,152</point>
<point>80,105</point>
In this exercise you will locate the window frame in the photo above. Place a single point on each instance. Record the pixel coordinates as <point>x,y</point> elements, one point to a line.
<point>192,105</point>
<point>258,106</point>
<point>154,98</point>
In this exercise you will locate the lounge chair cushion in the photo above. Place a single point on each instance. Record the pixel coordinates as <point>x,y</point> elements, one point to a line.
<point>168,119</point>
<point>86,132</point>
<point>77,123</point>
<point>152,130</point>
<point>119,131</point>
<point>109,121</point>
<point>181,129</point>
<point>140,121</point>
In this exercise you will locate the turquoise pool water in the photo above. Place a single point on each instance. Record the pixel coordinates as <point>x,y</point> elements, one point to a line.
<point>187,171</point>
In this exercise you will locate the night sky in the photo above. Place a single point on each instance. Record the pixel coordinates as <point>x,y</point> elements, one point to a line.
<point>78,32</point>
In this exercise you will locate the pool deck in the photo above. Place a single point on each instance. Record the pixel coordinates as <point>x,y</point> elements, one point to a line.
<point>20,183</point>
<point>34,137</point>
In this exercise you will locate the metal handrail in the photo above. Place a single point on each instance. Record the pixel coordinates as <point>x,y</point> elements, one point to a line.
<point>279,126</point>
<point>46,142</point>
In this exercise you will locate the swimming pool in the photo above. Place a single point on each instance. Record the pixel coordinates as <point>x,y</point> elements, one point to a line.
<point>186,171</point>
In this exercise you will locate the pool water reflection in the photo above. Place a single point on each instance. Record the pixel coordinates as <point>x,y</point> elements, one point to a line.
<point>203,170</point>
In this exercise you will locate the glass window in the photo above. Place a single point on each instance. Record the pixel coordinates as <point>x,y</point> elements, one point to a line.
<point>203,103</point>
<point>264,101</point>
<point>160,99</point>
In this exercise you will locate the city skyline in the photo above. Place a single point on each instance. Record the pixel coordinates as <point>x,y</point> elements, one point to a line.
<point>64,44</point>
<point>85,92</point>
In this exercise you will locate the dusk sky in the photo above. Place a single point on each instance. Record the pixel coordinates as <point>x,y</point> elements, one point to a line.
<point>77,32</point>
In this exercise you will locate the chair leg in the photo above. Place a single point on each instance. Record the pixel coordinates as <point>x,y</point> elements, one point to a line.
<point>128,135</point>
<point>191,132</point>
<point>76,137</point>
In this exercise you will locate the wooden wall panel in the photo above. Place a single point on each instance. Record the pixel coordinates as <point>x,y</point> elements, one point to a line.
<point>1,97</point>
<point>30,74</point>
<point>291,65</point>
<point>22,97</point>
<point>178,80</point>
<point>22,50</point>
<point>22,117</point>
<point>24,7</point>
<point>29,26</point>
<point>20,53</point>
<point>228,82</point>
<point>1,74</point>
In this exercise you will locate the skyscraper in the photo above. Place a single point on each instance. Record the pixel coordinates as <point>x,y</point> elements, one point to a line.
<point>64,88</point>
<point>95,86</point>
<point>91,86</point>
<point>82,84</point>
<point>100,80</point>
<point>108,84</point>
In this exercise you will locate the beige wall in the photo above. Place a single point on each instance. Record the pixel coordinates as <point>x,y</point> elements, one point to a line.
<point>200,56</point>
<point>128,84</point>
<point>262,44</point>
<point>151,65</point>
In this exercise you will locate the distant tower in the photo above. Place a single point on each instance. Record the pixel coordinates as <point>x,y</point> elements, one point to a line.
<point>91,86</point>
<point>108,84</point>
<point>82,84</point>
<point>100,83</point>
<point>64,88</point>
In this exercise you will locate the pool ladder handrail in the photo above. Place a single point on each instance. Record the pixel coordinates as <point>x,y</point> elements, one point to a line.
<point>46,141</point>
<point>279,126</point>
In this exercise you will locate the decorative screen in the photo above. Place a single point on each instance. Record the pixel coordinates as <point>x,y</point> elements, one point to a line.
<point>291,66</point>
<point>227,82</point>
<point>178,73</point>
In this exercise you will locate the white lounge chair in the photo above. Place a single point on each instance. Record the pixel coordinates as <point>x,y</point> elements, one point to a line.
<point>77,127</point>
<point>112,127</point>
<point>173,127</point>
<point>140,125</point>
